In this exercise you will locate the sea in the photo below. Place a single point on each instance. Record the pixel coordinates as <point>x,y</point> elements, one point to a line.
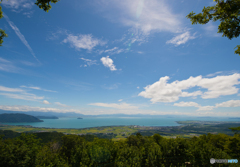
<point>75,123</point>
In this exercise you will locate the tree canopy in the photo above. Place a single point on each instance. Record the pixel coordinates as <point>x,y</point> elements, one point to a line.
<point>42,4</point>
<point>54,149</point>
<point>227,12</point>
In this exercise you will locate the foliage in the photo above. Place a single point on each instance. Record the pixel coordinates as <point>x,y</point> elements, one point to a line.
<point>136,150</point>
<point>227,12</point>
<point>45,4</point>
<point>236,130</point>
<point>9,134</point>
<point>2,32</point>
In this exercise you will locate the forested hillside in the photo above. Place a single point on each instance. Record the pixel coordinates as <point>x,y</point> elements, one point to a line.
<point>56,149</point>
<point>16,118</point>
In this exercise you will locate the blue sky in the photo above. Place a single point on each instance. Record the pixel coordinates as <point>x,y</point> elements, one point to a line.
<point>120,56</point>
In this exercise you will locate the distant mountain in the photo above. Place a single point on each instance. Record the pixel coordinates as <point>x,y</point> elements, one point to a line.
<point>17,118</point>
<point>73,114</point>
<point>46,117</point>
<point>37,113</point>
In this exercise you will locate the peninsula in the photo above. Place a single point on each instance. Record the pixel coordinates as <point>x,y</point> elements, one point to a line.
<point>18,118</point>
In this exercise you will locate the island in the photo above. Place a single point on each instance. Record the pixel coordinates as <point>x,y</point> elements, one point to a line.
<point>17,118</point>
<point>46,117</point>
<point>79,118</point>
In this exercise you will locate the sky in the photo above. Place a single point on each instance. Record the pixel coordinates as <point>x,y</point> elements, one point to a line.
<point>108,57</point>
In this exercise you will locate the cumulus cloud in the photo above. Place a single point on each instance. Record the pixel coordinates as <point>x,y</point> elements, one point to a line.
<point>181,39</point>
<point>45,102</point>
<point>146,16</point>
<point>83,41</point>
<point>120,100</point>
<point>20,35</point>
<point>161,91</point>
<point>114,105</point>
<point>61,105</point>
<point>89,61</point>
<point>37,88</point>
<point>230,103</point>
<point>108,62</point>
<point>194,104</point>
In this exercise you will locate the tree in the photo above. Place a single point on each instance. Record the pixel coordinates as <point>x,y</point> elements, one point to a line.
<point>235,130</point>
<point>2,32</point>
<point>42,4</point>
<point>227,12</point>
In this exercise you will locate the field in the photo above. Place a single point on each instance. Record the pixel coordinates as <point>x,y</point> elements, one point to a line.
<point>187,129</point>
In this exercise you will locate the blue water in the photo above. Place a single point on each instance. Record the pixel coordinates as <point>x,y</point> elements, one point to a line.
<point>111,121</point>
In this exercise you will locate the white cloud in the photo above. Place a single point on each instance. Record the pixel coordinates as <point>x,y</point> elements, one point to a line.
<point>138,87</point>
<point>36,88</point>
<point>230,103</point>
<point>20,35</point>
<point>214,74</point>
<point>161,91</point>
<point>193,94</point>
<point>83,41</point>
<point>6,89</point>
<point>16,4</point>
<point>194,104</point>
<point>146,16</point>
<point>120,100</point>
<point>181,39</point>
<point>16,93</point>
<point>89,62</point>
<point>45,102</point>
<point>39,109</point>
<point>220,86</point>
<point>108,62</point>
<point>114,105</point>
<point>61,105</point>
<point>205,108</point>
<point>23,96</point>
<point>112,51</point>
<point>186,104</point>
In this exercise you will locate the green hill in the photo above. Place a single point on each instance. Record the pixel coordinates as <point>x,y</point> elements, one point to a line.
<point>17,118</point>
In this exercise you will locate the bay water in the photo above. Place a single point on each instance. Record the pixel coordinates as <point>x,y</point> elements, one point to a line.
<point>113,121</point>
